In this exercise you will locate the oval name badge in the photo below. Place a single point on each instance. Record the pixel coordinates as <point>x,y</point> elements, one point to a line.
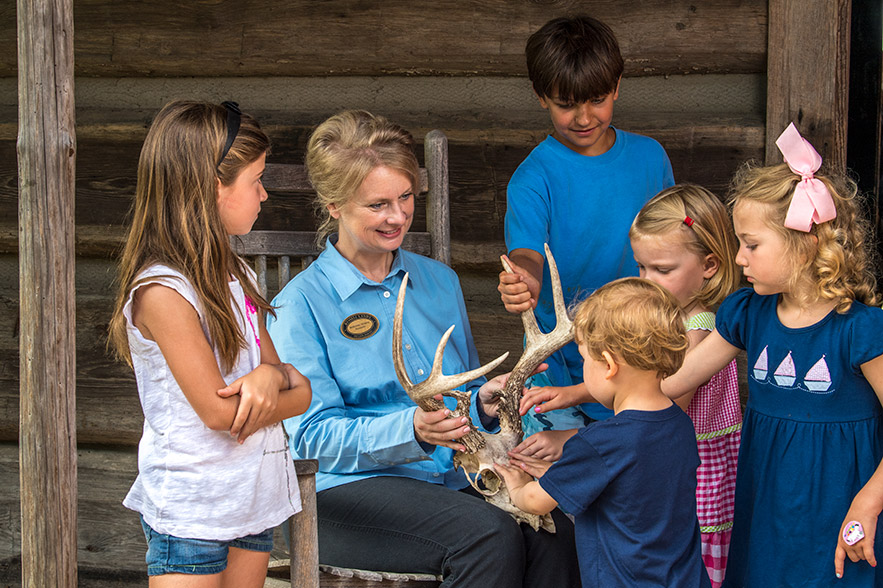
<point>359,326</point>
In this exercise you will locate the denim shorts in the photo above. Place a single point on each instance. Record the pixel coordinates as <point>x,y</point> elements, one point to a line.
<point>167,554</point>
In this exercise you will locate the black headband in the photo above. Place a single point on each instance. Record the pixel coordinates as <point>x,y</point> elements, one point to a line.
<point>234,117</point>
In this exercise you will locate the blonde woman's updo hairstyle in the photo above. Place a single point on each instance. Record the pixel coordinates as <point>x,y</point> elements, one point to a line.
<point>838,254</point>
<point>636,320</point>
<point>703,222</point>
<point>344,149</point>
<point>175,219</point>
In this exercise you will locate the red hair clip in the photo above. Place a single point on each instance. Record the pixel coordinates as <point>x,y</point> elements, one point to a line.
<point>688,221</point>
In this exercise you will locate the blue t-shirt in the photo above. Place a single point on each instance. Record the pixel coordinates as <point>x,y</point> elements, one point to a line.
<point>583,208</point>
<point>630,482</point>
<point>335,326</point>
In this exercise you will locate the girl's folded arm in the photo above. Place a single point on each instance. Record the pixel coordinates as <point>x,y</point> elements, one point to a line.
<point>164,316</point>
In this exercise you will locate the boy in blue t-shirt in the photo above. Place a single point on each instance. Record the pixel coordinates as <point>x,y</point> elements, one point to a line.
<point>629,481</point>
<point>579,191</point>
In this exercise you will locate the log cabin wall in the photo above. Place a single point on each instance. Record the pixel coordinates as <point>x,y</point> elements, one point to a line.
<point>695,80</point>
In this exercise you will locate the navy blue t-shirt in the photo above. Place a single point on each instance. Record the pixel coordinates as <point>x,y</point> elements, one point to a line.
<point>630,482</point>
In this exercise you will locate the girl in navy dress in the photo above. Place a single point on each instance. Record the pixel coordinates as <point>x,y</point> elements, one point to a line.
<point>810,485</point>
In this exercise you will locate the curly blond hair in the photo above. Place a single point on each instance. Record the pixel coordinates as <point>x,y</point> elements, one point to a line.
<point>836,254</point>
<point>636,320</point>
<point>711,233</point>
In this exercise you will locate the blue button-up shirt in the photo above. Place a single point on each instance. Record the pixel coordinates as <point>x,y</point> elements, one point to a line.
<point>360,422</point>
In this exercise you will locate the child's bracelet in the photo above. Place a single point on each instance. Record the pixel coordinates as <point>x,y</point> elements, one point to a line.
<point>853,533</point>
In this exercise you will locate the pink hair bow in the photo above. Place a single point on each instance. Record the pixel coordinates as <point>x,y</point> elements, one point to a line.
<point>811,202</point>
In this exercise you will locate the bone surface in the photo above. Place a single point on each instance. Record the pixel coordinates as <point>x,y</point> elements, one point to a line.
<point>484,449</point>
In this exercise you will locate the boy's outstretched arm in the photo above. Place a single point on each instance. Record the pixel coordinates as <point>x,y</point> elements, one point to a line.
<point>521,290</point>
<point>525,492</point>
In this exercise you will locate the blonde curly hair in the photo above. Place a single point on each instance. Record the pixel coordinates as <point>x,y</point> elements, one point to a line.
<point>837,254</point>
<point>636,320</point>
<point>711,233</point>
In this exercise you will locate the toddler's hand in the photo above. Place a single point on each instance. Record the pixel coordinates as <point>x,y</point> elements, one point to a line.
<point>514,477</point>
<point>533,466</point>
<point>545,445</point>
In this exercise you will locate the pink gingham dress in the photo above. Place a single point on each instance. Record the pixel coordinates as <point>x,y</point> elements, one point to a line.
<point>717,416</point>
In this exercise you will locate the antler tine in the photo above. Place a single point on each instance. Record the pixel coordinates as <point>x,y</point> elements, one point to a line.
<point>398,359</point>
<point>563,321</point>
<point>437,382</point>
<point>540,345</point>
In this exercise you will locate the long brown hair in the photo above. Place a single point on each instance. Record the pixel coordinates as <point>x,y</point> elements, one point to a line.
<point>175,219</point>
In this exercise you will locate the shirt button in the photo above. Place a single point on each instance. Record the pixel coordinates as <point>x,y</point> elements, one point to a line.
<point>386,294</point>
<point>408,346</point>
<point>435,475</point>
<point>419,372</point>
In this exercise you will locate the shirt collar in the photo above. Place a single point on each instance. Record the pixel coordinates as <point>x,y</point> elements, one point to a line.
<point>345,277</point>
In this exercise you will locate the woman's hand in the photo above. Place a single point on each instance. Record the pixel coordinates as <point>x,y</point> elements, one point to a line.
<point>489,394</point>
<point>865,509</point>
<point>545,445</point>
<point>259,396</point>
<point>438,428</point>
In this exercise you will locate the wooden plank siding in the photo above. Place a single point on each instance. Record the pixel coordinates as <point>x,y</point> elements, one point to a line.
<point>702,152</point>
<point>380,37</point>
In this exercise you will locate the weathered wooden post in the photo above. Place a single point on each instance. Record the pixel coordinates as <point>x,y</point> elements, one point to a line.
<point>808,75</point>
<point>46,158</point>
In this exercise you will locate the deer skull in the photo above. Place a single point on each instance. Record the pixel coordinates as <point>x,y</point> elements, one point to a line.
<point>485,449</point>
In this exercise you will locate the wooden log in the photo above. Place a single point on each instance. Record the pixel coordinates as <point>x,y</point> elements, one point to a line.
<point>808,76</point>
<point>166,38</point>
<point>304,529</point>
<point>46,160</point>
<point>704,150</point>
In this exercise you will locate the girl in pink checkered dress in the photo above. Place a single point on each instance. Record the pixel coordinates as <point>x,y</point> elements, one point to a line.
<point>683,240</point>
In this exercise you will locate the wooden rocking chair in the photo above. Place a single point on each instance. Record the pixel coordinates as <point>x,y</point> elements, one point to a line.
<point>283,246</point>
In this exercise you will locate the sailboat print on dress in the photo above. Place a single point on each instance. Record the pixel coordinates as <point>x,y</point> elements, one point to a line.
<point>818,378</point>
<point>761,366</point>
<point>785,374</point>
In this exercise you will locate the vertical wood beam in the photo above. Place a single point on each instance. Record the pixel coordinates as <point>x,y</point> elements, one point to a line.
<point>808,75</point>
<point>46,160</point>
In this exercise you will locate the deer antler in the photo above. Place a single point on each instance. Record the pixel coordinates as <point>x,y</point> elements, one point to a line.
<point>484,449</point>
<point>537,348</point>
<point>437,383</point>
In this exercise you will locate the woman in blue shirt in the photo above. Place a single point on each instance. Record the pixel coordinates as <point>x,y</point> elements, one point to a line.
<point>388,496</point>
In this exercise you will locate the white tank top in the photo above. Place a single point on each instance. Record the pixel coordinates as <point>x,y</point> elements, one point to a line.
<point>194,482</point>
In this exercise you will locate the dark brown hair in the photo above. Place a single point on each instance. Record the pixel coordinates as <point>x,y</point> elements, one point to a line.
<point>574,59</point>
